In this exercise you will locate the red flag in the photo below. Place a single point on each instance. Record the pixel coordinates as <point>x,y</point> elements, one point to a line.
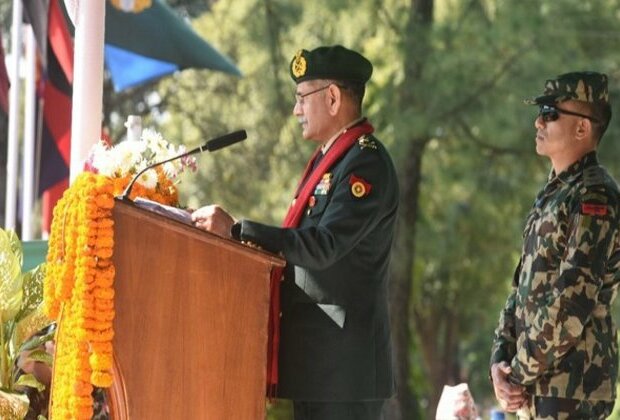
<point>56,90</point>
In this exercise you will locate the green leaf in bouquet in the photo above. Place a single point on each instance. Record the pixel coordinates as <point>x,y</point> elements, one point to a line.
<point>37,341</point>
<point>32,289</point>
<point>33,341</point>
<point>10,276</point>
<point>16,246</point>
<point>41,356</point>
<point>30,381</point>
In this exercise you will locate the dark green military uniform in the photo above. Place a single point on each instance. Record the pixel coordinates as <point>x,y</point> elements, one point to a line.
<point>335,343</point>
<point>556,330</point>
<point>335,337</point>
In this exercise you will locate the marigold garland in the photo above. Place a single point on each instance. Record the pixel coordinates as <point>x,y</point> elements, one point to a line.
<point>78,287</point>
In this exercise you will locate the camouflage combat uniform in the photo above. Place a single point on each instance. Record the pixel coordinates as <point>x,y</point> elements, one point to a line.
<point>556,329</point>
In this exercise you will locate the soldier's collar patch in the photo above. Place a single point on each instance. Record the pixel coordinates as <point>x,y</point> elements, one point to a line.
<point>366,142</point>
<point>322,188</point>
<point>299,65</point>
<point>360,188</point>
<point>589,209</point>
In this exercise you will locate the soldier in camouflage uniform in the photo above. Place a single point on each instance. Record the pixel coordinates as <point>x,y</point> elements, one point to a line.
<point>555,352</point>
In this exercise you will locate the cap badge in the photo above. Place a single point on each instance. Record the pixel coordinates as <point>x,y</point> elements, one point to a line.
<point>299,65</point>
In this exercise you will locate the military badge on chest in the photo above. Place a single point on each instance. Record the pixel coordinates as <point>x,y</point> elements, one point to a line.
<point>322,189</point>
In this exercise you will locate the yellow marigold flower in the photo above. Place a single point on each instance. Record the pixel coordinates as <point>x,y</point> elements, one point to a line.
<point>100,362</point>
<point>102,379</point>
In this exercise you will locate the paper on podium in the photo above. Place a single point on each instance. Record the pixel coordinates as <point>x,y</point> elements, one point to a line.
<point>175,213</point>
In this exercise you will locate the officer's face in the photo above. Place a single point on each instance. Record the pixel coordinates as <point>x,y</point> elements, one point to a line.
<point>311,109</point>
<point>556,138</point>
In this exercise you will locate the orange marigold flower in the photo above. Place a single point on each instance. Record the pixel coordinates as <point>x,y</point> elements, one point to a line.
<point>105,347</point>
<point>82,388</point>
<point>103,293</point>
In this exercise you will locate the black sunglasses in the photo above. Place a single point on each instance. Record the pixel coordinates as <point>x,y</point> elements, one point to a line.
<point>550,113</point>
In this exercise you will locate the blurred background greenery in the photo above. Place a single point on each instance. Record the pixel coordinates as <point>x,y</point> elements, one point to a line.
<point>446,97</point>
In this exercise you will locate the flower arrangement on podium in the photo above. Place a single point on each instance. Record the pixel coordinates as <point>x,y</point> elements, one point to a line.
<point>79,282</point>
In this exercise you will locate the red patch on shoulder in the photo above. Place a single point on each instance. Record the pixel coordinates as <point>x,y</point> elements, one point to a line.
<point>359,186</point>
<point>593,209</point>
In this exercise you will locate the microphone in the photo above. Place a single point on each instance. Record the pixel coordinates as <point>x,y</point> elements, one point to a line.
<point>211,146</point>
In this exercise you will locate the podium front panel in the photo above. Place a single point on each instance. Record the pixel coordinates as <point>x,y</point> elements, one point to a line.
<point>191,321</point>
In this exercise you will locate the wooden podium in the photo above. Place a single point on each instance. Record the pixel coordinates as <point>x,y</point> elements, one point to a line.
<point>191,321</point>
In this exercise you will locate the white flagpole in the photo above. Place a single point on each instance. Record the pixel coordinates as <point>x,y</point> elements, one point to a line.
<point>13,146</point>
<point>29,135</point>
<point>87,81</point>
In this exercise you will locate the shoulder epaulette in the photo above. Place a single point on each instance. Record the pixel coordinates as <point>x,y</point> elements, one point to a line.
<point>594,175</point>
<point>365,142</point>
<point>599,190</point>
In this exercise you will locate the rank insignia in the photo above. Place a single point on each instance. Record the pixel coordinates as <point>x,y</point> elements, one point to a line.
<point>593,209</point>
<point>322,188</point>
<point>366,142</point>
<point>299,65</point>
<point>359,187</point>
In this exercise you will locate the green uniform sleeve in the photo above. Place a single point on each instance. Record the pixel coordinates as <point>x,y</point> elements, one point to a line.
<point>343,222</point>
<point>504,342</point>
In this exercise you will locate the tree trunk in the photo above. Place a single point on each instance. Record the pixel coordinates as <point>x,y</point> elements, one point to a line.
<point>405,405</point>
<point>416,48</point>
<point>273,27</point>
<point>439,346</point>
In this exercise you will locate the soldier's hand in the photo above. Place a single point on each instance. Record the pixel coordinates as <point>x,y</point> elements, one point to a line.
<point>213,219</point>
<point>510,396</point>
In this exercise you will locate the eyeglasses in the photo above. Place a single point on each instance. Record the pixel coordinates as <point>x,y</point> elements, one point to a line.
<point>550,113</point>
<point>299,97</point>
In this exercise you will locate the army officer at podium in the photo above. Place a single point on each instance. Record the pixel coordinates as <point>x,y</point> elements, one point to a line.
<point>335,352</point>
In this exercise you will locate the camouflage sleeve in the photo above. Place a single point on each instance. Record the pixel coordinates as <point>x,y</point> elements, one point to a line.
<point>504,342</point>
<point>557,321</point>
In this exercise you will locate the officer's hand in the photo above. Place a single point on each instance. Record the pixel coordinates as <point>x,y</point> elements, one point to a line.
<point>511,397</point>
<point>213,219</point>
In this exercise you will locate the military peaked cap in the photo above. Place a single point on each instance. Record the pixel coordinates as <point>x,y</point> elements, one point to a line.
<point>586,86</point>
<point>335,62</point>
